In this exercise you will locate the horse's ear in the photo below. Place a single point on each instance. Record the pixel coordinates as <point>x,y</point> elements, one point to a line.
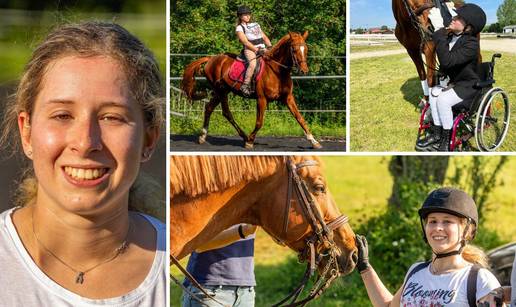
<point>305,35</point>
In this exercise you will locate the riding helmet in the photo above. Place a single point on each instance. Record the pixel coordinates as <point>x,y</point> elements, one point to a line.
<point>243,9</point>
<point>474,16</point>
<point>452,201</point>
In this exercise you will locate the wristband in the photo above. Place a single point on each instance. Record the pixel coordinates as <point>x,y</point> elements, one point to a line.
<point>241,231</point>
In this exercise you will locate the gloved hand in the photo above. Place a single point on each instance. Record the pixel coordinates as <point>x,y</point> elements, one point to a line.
<point>451,8</point>
<point>435,18</point>
<point>363,253</point>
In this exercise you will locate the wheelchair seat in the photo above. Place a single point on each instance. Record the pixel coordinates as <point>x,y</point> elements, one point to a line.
<point>485,73</point>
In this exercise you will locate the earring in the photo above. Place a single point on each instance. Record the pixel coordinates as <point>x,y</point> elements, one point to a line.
<point>146,154</point>
<point>29,153</point>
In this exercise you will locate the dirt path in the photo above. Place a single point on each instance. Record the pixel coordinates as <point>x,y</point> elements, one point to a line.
<point>504,45</point>
<point>182,143</point>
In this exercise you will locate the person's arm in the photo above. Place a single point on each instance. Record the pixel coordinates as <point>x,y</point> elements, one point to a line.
<point>227,237</point>
<point>243,39</point>
<point>457,56</point>
<point>376,290</point>
<point>266,40</point>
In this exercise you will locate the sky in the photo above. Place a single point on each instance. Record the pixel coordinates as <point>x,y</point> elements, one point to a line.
<point>377,13</point>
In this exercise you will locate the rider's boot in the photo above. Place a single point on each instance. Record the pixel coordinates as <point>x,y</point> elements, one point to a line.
<point>445,140</point>
<point>432,138</point>
<point>246,89</point>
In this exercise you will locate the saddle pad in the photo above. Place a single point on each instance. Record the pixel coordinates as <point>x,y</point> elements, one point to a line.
<point>238,68</point>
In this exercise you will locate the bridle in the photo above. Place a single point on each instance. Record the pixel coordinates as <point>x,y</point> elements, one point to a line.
<point>322,236</point>
<point>413,15</point>
<point>319,245</point>
<point>295,62</point>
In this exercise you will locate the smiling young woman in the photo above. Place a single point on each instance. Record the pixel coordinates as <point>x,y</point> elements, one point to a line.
<point>88,111</point>
<point>449,221</point>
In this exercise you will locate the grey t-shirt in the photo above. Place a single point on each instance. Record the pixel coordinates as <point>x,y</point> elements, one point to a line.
<point>22,283</point>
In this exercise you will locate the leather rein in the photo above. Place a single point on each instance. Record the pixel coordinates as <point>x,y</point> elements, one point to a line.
<point>413,15</point>
<point>295,62</point>
<point>321,237</point>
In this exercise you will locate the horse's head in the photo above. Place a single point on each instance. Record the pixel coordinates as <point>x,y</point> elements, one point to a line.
<point>418,12</point>
<point>303,215</point>
<point>299,50</point>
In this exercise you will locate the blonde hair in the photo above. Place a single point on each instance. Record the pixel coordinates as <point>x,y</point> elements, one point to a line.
<point>472,253</point>
<point>86,39</point>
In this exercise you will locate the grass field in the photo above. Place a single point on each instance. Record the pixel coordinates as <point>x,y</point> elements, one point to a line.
<point>385,92</point>
<point>361,187</point>
<point>383,46</point>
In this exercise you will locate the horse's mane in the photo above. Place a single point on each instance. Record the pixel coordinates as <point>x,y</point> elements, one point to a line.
<point>196,175</point>
<point>281,42</point>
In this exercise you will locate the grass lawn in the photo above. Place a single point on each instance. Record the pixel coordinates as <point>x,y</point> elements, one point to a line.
<point>383,46</point>
<point>385,92</point>
<point>361,187</point>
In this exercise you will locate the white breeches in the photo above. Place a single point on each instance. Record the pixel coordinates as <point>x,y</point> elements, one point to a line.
<point>441,103</point>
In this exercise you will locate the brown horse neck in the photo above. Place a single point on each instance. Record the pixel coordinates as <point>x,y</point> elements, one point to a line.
<point>281,52</point>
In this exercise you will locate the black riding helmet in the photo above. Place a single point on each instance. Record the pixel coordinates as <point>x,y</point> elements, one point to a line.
<point>452,201</point>
<point>474,16</point>
<point>243,9</point>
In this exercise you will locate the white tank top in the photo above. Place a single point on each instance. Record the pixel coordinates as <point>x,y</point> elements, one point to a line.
<point>427,289</point>
<point>253,31</point>
<point>24,284</point>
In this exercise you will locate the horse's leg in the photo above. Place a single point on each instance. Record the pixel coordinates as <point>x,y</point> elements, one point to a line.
<point>260,113</point>
<point>292,106</point>
<point>429,51</point>
<point>208,109</point>
<point>229,116</point>
<point>415,55</point>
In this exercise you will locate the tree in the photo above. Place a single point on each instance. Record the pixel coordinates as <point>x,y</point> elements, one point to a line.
<point>494,28</point>
<point>506,13</point>
<point>384,28</point>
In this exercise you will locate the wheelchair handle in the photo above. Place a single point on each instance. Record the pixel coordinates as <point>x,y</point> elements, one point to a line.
<point>496,55</point>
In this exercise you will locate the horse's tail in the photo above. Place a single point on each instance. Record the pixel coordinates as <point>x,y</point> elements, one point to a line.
<point>188,82</point>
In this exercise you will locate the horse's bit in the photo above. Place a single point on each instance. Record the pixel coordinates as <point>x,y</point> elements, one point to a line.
<point>322,236</point>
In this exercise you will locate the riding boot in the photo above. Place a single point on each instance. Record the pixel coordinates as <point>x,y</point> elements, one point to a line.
<point>246,89</point>
<point>433,137</point>
<point>445,140</point>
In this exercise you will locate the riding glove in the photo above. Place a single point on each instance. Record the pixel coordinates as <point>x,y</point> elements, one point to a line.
<point>435,18</point>
<point>363,253</point>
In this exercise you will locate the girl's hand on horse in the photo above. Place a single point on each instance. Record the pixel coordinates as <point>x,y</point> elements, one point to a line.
<point>435,18</point>
<point>363,254</point>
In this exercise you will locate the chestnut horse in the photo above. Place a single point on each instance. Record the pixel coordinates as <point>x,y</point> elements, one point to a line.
<point>275,84</point>
<point>211,193</point>
<point>413,32</point>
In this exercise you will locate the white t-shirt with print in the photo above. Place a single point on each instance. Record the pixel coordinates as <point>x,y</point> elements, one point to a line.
<point>425,289</point>
<point>252,31</point>
<point>22,283</point>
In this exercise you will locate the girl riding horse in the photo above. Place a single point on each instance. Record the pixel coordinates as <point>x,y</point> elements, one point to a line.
<point>254,40</point>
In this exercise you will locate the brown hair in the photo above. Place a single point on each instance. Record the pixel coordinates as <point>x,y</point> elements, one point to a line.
<point>85,39</point>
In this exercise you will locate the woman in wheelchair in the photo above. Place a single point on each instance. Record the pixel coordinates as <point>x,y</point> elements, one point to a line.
<point>457,49</point>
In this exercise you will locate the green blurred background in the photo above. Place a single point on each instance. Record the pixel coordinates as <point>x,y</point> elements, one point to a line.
<point>23,24</point>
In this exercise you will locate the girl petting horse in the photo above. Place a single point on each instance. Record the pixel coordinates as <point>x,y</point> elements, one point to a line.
<point>449,220</point>
<point>458,50</point>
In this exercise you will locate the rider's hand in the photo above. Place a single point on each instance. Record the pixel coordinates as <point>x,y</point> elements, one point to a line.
<point>451,8</point>
<point>260,51</point>
<point>363,254</point>
<point>435,18</point>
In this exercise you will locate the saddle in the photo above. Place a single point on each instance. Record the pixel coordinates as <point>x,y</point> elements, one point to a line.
<point>239,67</point>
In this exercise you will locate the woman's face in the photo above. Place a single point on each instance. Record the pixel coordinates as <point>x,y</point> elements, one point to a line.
<point>457,25</point>
<point>245,17</point>
<point>86,135</point>
<point>443,232</point>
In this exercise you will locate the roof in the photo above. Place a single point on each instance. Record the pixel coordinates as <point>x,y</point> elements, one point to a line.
<point>510,27</point>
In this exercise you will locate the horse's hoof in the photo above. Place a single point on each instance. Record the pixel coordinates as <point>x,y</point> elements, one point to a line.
<point>202,139</point>
<point>316,145</point>
<point>249,145</point>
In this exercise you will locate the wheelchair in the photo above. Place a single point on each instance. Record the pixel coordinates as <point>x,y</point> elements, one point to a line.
<point>485,117</point>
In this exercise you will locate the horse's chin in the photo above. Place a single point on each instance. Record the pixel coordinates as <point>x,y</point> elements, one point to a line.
<point>346,265</point>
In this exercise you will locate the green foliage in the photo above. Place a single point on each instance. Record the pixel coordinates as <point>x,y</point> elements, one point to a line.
<point>506,13</point>
<point>494,28</point>
<point>208,27</point>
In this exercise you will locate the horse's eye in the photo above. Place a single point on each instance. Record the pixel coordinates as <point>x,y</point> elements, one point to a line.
<point>319,188</point>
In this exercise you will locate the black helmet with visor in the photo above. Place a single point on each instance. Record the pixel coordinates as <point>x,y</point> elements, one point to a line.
<point>474,16</point>
<point>243,9</point>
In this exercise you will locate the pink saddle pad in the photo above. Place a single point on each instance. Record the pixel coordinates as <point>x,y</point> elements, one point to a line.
<point>237,71</point>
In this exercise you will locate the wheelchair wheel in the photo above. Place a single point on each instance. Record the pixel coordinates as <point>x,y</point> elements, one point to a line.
<point>492,121</point>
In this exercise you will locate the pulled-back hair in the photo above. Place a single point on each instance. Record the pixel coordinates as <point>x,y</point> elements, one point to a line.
<point>86,39</point>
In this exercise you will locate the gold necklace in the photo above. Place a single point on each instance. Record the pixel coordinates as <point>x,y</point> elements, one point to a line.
<point>79,279</point>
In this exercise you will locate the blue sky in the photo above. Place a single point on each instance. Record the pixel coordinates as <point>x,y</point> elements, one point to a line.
<point>376,13</point>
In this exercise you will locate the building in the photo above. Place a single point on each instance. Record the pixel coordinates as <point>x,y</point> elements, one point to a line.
<point>509,29</point>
